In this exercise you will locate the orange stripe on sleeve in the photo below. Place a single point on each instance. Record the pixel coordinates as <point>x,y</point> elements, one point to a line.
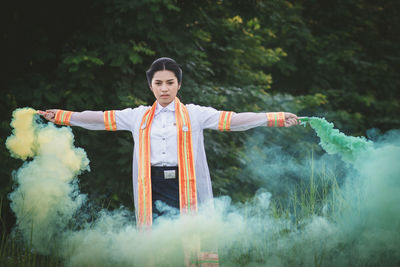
<point>109,120</point>
<point>57,118</point>
<point>67,118</point>
<point>224,123</point>
<point>106,125</point>
<point>63,117</point>
<point>271,119</point>
<point>228,122</point>
<point>113,122</point>
<point>276,119</point>
<point>281,119</point>
<point>221,121</point>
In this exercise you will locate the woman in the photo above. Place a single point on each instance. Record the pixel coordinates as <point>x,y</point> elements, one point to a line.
<point>169,160</point>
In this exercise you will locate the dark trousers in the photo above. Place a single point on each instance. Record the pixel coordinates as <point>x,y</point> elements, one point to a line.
<point>165,192</point>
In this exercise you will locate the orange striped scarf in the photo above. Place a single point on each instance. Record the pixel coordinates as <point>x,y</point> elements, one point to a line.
<point>187,174</point>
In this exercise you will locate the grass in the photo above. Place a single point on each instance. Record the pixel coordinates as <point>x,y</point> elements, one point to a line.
<point>15,253</point>
<point>306,202</point>
<point>320,196</point>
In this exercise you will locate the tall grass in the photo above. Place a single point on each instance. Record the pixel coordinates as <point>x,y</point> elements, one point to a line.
<point>285,236</point>
<point>318,196</point>
<point>16,253</point>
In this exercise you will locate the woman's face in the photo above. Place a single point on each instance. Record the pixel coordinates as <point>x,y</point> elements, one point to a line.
<point>165,86</point>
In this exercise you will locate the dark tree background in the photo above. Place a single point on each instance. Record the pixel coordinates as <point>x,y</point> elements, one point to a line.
<point>337,59</point>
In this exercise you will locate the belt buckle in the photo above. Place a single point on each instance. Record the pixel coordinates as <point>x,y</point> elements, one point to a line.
<point>169,174</point>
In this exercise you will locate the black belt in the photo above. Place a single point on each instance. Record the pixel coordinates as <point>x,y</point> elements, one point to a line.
<point>159,171</point>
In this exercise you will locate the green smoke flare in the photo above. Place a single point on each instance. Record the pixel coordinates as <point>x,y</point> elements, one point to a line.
<point>335,142</point>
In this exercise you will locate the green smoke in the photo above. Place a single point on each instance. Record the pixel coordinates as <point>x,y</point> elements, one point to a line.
<point>335,142</point>
<point>359,226</point>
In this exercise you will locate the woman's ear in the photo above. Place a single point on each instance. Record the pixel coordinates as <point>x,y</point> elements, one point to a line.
<point>179,86</point>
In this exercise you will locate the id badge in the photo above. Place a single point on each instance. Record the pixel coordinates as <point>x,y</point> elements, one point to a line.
<point>169,174</point>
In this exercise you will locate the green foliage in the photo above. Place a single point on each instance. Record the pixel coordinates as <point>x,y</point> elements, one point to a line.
<point>346,51</point>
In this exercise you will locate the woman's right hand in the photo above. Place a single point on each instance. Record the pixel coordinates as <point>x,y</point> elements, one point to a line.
<point>49,114</point>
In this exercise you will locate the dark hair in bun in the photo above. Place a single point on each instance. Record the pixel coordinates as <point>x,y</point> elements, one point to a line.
<point>164,63</point>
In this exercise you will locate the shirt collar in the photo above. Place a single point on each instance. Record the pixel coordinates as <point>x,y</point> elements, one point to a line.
<point>170,107</point>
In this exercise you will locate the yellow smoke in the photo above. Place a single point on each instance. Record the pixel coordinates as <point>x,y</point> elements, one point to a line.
<point>45,199</point>
<point>21,143</point>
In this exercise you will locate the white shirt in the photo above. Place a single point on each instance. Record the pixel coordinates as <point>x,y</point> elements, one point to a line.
<point>163,136</point>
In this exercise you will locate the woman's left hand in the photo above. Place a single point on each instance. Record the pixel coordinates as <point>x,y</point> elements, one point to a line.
<point>291,119</point>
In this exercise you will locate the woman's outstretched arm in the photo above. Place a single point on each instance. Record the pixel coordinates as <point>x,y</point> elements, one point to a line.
<point>211,118</point>
<point>92,120</point>
<point>247,120</point>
